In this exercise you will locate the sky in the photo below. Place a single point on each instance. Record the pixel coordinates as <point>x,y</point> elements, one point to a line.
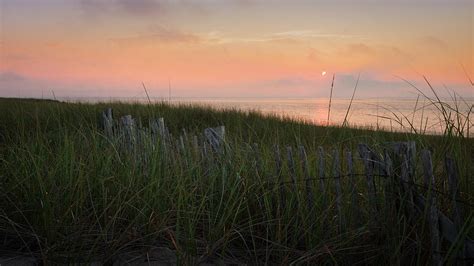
<point>234,48</point>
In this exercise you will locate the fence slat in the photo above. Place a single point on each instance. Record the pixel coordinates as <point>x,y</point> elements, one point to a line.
<point>322,175</point>
<point>452,171</point>
<point>184,150</point>
<point>389,182</point>
<point>258,159</point>
<point>196,147</point>
<point>128,127</point>
<point>185,135</point>
<point>159,130</point>
<point>453,189</point>
<point>337,182</point>
<point>365,154</point>
<point>182,144</point>
<point>409,149</point>
<point>411,152</point>
<point>162,130</point>
<point>407,187</point>
<point>205,154</point>
<point>278,167</point>
<point>432,211</point>
<point>108,122</point>
<point>216,137</point>
<point>324,201</point>
<point>291,165</point>
<point>354,198</point>
<point>308,183</point>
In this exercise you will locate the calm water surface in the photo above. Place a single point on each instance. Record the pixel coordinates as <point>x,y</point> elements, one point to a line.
<point>387,113</point>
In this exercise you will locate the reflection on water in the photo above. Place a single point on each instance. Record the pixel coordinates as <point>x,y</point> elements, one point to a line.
<point>388,113</point>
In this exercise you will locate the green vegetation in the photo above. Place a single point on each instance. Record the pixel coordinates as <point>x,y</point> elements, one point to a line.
<point>69,194</point>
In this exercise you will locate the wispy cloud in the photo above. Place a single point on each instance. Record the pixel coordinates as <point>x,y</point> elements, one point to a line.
<point>159,33</point>
<point>434,42</point>
<point>285,36</point>
<point>360,49</point>
<point>11,77</point>
<point>140,7</point>
<point>130,7</point>
<point>311,34</point>
<point>94,7</point>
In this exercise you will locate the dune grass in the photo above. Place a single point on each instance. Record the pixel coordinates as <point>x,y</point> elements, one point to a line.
<point>68,194</point>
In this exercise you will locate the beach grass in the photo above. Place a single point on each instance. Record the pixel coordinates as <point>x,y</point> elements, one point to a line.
<point>69,194</point>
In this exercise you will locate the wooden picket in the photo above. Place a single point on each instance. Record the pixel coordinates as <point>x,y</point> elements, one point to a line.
<point>429,182</point>
<point>354,197</point>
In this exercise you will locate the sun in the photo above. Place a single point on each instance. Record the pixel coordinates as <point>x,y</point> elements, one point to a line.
<point>323,73</point>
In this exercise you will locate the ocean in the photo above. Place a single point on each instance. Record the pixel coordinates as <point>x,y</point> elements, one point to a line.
<point>392,114</point>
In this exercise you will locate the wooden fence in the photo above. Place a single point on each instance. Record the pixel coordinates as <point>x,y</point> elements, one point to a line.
<point>395,163</point>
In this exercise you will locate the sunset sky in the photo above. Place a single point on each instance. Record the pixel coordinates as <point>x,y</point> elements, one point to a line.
<point>230,48</point>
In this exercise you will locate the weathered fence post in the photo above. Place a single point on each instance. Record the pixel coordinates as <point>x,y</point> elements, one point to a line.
<point>337,181</point>
<point>205,155</point>
<point>184,151</point>
<point>196,147</point>
<point>141,150</point>
<point>305,167</point>
<point>182,144</point>
<point>354,198</point>
<point>278,166</point>
<point>433,219</point>
<point>158,129</point>
<point>322,175</point>
<point>407,186</point>
<point>411,153</point>
<point>108,122</point>
<point>452,171</point>
<point>291,166</point>
<point>324,200</point>
<point>258,159</point>
<point>216,137</point>
<point>128,127</point>
<point>389,190</point>
<point>185,135</point>
<point>365,154</point>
